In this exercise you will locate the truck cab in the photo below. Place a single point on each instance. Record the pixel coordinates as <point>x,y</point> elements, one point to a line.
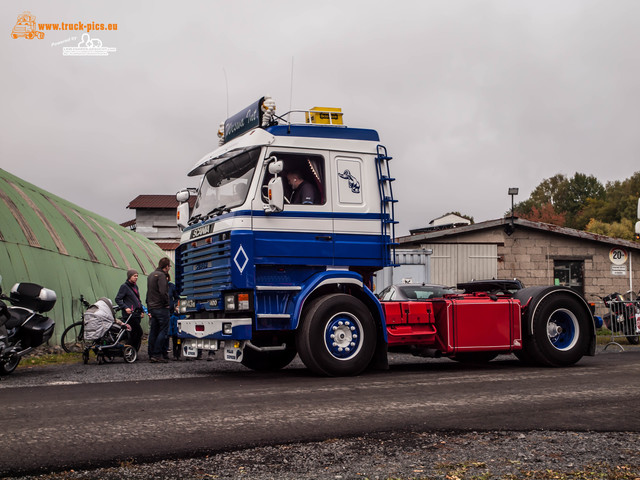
<point>256,257</point>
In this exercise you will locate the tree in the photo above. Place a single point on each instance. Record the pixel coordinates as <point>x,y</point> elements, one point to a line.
<point>560,199</point>
<point>545,214</point>
<point>547,192</point>
<point>583,203</point>
<point>623,229</point>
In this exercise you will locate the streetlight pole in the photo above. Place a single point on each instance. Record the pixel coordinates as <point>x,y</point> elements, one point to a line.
<point>509,229</point>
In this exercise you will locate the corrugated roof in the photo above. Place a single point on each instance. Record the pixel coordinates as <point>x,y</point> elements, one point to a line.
<point>47,240</point>
<point>518,222</point>
<point>128,223</point>
<point>157,201</point>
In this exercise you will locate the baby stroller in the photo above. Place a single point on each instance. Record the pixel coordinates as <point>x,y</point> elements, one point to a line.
<point>103,336</point>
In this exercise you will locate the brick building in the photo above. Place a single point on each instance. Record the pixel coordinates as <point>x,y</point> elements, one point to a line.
<point>156,220</point>
<point>536,253</point>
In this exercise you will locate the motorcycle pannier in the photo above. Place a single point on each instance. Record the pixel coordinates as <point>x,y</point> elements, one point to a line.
<point>37,330</point>
<point>33,296</point>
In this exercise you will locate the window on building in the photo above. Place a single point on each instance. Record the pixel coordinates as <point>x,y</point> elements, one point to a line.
<point>569,273</point>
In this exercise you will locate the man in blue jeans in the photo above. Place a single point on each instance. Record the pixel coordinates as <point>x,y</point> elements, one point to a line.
<point>158,305</point>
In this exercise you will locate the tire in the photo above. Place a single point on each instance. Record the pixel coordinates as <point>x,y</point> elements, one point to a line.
<point>337,336</point>
<point>560,332</point>
<point>72,338</point>
<point>267,361</point>
<point>10,365</point>
<point>475,357</point>
<point>129,354</point>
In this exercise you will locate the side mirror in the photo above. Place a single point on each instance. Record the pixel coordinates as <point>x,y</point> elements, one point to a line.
<point>276,166</point>
<point>637,230</point>
<point>275,188</point>
<point>183,196</point>
<point>182,213</point>
<point>275,194</point>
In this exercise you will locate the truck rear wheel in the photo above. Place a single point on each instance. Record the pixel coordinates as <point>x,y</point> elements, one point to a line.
<point>337,336</point>
<point>560,332</point>
<point>269,361</point>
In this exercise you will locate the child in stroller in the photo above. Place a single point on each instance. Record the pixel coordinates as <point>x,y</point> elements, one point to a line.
<point>104,334</point>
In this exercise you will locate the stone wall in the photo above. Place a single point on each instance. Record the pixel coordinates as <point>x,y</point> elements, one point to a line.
<point>529,255</point>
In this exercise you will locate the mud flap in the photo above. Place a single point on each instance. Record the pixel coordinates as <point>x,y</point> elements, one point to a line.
<point>380,360</point>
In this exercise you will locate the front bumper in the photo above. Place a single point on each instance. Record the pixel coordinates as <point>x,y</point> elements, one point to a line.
<point>215,328</point>
<point>209,334</point>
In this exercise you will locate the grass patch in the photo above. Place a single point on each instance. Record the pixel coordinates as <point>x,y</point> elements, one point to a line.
<point>38,360</point>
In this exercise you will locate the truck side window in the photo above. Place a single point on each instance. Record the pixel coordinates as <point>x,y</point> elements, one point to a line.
<point>304,178</point>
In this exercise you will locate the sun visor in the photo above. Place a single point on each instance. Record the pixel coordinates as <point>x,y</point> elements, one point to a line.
<point>248,141</point>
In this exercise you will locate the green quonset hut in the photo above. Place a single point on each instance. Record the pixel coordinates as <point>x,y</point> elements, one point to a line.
<point>47,240</point>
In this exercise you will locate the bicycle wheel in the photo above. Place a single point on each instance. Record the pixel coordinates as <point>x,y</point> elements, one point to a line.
<point>72,340</point>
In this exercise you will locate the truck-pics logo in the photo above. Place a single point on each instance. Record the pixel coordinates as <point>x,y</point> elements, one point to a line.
<point>88,47</point>
<point>26,27</point>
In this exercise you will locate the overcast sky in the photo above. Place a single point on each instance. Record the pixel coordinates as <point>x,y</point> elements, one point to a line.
<point>470,97</point>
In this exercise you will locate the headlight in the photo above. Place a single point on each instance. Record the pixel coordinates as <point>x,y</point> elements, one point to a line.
<point>183,304</point>
<point>230,302</point>
<point>240,301</point>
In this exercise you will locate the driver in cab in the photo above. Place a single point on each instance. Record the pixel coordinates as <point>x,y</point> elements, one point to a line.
<point>303,193</point>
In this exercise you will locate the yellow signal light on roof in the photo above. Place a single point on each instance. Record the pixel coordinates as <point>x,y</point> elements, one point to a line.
<point>324,116</point>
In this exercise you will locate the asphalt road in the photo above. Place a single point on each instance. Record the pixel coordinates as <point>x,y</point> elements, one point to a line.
<point>89,417</point>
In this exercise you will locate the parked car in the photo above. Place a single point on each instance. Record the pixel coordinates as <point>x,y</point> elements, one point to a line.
<point>493,286</point>
<point>413,291</point>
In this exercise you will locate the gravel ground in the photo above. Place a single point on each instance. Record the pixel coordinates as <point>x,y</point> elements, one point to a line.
<point>407,455</point>
<point>385,455</point>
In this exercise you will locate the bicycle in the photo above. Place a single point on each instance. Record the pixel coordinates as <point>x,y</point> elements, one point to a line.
<point>72,339</point>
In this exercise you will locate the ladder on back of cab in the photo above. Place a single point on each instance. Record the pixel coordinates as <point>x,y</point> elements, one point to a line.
<point>387,210</point>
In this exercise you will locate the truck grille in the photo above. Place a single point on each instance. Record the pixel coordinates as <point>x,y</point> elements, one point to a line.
<point>206,269</point>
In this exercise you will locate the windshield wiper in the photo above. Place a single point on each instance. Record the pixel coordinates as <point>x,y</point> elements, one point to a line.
<point>194,219</point>
<point>216,211</point>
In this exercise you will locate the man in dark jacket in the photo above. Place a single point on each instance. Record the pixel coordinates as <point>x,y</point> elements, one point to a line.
<point>302,191</point>
<point>128,299</point>
<point>158,305</point>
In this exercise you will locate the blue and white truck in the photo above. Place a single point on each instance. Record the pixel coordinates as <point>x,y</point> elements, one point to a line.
<point>265,277</point>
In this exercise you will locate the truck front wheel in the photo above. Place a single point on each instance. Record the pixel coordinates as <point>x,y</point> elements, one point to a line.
<point>337,336</point>
<point>560,332</point>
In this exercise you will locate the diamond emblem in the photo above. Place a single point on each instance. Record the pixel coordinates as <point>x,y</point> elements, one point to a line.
<point>241,259</point>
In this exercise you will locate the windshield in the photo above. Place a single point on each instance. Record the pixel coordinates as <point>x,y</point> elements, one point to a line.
<point>422,292</point>
<point>225,185</point>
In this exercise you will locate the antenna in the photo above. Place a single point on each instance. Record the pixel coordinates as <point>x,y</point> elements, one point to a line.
<point>291,88</point>
<point>227,85</point>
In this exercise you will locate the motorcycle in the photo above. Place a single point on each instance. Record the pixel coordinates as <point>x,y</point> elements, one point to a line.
<point>623,316</point>
<point>23,326</point>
